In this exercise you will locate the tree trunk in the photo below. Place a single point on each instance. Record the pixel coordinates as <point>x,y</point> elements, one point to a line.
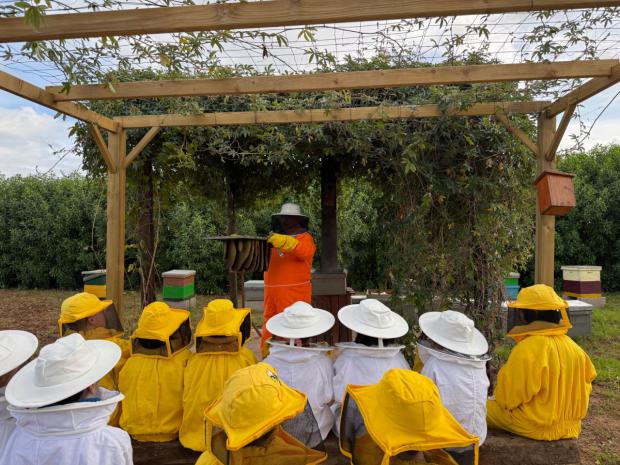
<point>146,235</point>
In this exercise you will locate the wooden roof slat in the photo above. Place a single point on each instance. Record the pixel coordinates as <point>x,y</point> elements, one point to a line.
<point>263,14</point>
<point>24,89</point>
<point>324,115</point>
<point>389,78</point>
<point>584,92</point>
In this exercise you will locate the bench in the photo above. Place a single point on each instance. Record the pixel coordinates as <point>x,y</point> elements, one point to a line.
<point>500,448</point>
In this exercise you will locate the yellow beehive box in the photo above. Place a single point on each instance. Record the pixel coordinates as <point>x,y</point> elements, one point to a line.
<point>581,273</point>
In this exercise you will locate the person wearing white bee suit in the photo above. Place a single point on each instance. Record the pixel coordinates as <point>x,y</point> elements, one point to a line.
<point>374,351</point>
<point>62,416</point>
<point>301,365</point>
<point>454,354</point>
<point>16,347</point>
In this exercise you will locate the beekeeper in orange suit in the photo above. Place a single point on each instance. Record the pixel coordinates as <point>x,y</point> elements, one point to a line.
<point>400,421</point>
<point>259,420</point>
<point>543,390</point>
<point>287,280</point>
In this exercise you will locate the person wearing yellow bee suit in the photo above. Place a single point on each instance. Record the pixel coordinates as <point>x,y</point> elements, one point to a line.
<point>92,318</point>
<point>543,390</point>
<point>220,339</point>
<point>259,420</point>
<point>85,314</point>
<point>400,421</point>
<point>152,378</point>
<point>287,280</point>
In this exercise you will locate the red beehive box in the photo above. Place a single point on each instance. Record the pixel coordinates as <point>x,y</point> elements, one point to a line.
<point>556,194</point>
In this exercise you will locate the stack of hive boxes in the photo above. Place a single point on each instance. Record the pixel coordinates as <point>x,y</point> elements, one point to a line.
<point>583,283</point>
<point>511,286</point>
<point>94,283</point>
<point>179,291</point>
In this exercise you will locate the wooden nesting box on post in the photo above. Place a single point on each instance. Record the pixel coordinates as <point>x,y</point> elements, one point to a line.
<point>556,194</point>
<point>95,283</point>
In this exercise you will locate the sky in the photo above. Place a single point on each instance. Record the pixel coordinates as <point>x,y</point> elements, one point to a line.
<point>30,136</point>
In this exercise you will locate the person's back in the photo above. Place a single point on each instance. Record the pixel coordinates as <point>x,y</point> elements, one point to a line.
<point>152,378</point>
<point>545,385</point>
<point>72,434</point>
<point>543,390</point>
<point>61,415</point>
<point>220,351</point>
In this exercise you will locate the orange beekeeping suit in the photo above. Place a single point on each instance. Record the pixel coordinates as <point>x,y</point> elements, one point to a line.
<point>288,278</point>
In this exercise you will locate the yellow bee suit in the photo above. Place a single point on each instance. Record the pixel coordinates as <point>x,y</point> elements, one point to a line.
<point>153,382</point>
<point>219,338</point>
<point>383,423</point>
<point>252,407</point>
<point>84,305</point>
<point>543,390</point>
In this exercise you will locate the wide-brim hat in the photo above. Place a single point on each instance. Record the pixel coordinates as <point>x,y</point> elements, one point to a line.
<point>159,321</point>
<point>454,331</point>
<point>290,209</point>
<point>62,369</point>
<point>373,318</point>
<point>80,306</point>
<point>16,347</point>
<point>253,402</point>
<point>300,320</point>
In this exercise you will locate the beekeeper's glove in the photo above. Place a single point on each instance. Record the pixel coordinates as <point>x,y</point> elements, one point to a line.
<point>282,241</point>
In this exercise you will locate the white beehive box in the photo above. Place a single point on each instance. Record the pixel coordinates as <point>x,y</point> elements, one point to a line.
<point>581,273</point>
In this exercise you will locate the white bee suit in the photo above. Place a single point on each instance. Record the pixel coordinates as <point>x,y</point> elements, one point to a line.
<point>463,386</point>
<point>7,423</point>
<point>310,371</point>
<point>72,434</point>
<point>361,365</point>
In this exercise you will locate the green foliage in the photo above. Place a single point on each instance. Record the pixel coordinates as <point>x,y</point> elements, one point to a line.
<point>52,229</point>
<point>590,233</point>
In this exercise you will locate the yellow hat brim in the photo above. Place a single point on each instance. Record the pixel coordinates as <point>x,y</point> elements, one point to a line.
<point>65,318</point>
<point>176,319</point>
<point>293,401</point>
<point>230,328</point>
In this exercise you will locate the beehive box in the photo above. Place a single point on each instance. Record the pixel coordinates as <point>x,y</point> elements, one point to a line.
<point>579,313</point>
<point>581,273</point>
<point>556,194</point>
<point>95,282</point>
<point>179,285</point>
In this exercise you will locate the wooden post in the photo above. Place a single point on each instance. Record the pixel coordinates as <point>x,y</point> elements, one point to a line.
<point>545,224</point>
<point>115,237</point>
<point>329,215</point>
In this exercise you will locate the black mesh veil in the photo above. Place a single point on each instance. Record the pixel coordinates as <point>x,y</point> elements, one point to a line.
<point>305,429</point>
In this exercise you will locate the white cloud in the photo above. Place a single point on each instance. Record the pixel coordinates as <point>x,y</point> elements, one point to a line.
<point>28,140</point>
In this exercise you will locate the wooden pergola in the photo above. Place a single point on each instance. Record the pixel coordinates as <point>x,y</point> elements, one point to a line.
<point>117,156</point>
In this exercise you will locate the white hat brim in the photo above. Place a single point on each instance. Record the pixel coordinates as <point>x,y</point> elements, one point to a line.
<point>25,345</point>
<point>347,316</point>
<point>428,325</point>
<point>324,323</point>
<point>23,392</point>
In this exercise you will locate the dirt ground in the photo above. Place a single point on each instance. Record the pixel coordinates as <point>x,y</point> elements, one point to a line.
<point>37,311</point>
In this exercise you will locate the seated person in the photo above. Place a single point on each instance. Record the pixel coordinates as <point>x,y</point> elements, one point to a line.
<point>366,360</point>
<point>16,347</point>
<point>152,378</point>
<point>400,420</point>
<point>259,420</point>
<point>85,314</point>
<point>303,366</point>
<point>543,390</point>
<point>454,354</point>
<point>220,351</point>
<point>62,416</point>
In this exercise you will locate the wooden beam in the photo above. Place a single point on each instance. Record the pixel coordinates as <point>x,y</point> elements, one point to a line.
<point>263,14</point>
<point>115,233</point>
<point>583,92</point>
<point>544,259</point>
<point>323,115</point>
<point>140,146</point>
<point>517,132</point>
<point>559,133</point>
<point>103,148</point>
<point>35,94</point>
<point>389,78</point>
